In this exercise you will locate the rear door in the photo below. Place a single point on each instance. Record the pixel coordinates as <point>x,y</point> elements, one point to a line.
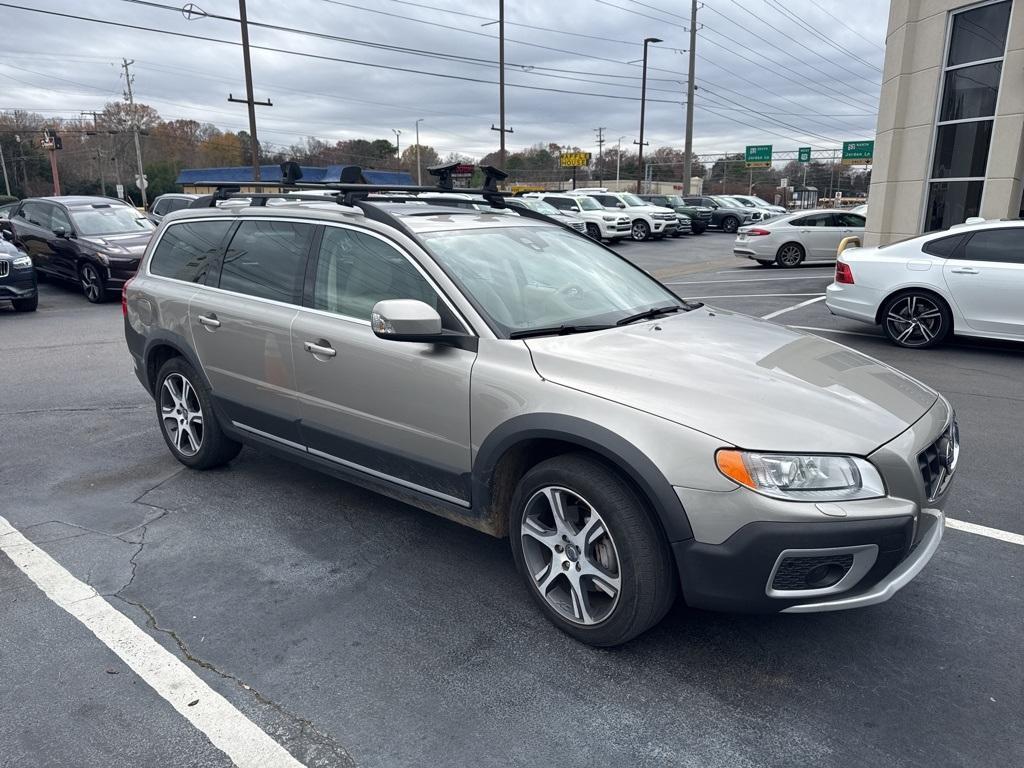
<point>818,235</point>
<point>986,279</point>
<point>398,411</point>
<point>241,325</point>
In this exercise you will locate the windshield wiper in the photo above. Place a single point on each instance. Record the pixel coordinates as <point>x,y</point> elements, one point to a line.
<point>647,314</point>
<point>556,330</point>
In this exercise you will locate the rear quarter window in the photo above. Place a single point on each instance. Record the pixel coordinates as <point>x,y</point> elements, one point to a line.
<point>186,250</point>
<point>943,247</point>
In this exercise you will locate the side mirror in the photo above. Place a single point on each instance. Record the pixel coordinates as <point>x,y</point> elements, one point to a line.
<point>620,205</point>
<point>7,235</point>
<point>405,320</point>
<point>60,232</point>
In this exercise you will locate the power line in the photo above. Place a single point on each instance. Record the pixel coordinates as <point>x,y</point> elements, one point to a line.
<point>823,38</point>
<point>322,57</point>
<point>838,18</point>
<point>639,13</point>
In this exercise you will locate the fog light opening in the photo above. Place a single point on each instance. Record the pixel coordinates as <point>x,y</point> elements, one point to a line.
<point>823,576</point>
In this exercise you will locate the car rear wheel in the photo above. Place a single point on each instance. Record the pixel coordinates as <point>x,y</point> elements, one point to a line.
<point>916,319</point>
<point>92,283</point>
<point>790,255</point>
<point>640,230</point>
<point>594,231</point>
<point>698,228</point>
<point>591,554</point>
<point>26,305</point>
<point>187,421</point>
<point>730,224</point>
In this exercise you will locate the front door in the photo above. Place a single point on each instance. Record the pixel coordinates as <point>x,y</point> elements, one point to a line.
<point>817,235</point>
<point>32,232</point>
<point>242,330</point>
<point>986,278</point>
<point>398,411</point>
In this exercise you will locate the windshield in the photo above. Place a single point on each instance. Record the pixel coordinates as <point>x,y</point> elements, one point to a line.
<point>760,202</point>
<point>589,204</point>
<point>675,200</point>
<point>725,202</point>
<point>541,207</point>
<point>741,201</point>
<point>632,200</point>
<point>109,220</point>
<point>540,277</point>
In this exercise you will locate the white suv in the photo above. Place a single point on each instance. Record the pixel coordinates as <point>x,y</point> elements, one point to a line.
<point>646,220</point>
<point>602,223</point>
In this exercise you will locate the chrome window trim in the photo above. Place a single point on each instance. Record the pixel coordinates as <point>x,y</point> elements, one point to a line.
<point>470,330</point>
<point>352,465</point>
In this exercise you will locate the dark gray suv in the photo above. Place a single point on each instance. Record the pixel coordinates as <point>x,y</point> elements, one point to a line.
<point>515,376</point>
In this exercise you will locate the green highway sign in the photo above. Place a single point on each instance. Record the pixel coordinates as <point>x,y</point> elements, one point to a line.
<point>759,156</point>
<point>805,154</point>
<point>858,152</point>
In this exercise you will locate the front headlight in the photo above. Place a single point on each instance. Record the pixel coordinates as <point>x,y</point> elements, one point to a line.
<point>608,218</point>
<point>802,477</point>
<point>103,259</point>
<point>22,261</point>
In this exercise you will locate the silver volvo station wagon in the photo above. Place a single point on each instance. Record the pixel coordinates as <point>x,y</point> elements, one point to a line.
<point>508,373</point>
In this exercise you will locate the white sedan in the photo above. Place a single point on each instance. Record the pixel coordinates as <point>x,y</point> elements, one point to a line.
<point>789,240</point>
<point>967,280</point>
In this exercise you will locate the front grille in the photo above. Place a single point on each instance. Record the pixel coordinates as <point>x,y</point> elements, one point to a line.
<point>796,572</point>
<point>5,268</point>
<point>938,461</point>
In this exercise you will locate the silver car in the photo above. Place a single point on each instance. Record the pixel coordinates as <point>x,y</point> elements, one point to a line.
<point>514,376</point>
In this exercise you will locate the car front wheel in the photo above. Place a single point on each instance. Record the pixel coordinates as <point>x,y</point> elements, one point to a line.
<point>594,232</point>
<point>730,224</point>
<point>187,421</point>
<point>593,558</point>
<point>640,231</point>
<point>916,319</point>
<point>92,283</point>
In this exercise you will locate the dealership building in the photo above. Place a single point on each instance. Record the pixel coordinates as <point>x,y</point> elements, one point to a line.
<point>950,138</point>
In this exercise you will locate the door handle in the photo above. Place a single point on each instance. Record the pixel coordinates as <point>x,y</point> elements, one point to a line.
<point>319,348</point>
<point>964,270</point>
<point>210,321</point>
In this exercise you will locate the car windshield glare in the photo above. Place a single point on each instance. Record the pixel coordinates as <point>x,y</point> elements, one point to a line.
<point>109,220</point>
<point>675,200</point>
<point>589,204</point>
<point>632,200</point>
<point>527,277</point>
<point>541,207</point>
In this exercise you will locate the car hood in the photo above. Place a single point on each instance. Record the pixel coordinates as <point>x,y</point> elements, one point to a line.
<point>748,382</point>
<point>133,242</point>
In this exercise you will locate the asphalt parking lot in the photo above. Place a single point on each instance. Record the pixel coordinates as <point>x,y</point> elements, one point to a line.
<point>357,631</point>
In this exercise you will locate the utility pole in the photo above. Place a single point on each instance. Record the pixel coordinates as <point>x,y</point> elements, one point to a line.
<point>690,88</point>
<point>254,144</point>
<point>502,130</point>
<point>398,146</point>
<point>643,105</point>
<point>618,161</point>
<point>99,150</point>
<point>135,129</point>
<point>600,153</point>
<point>3,164</point>
<point>419,172</point>
<point>52,142</point>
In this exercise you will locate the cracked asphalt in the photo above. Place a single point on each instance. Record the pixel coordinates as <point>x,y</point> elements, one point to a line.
<point>357,631</point>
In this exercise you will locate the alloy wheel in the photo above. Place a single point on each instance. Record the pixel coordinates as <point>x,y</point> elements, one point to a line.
<point>181,414</point>
<point>640,230</point>
<point>570,555</point>
<point>594,231</point>
<point>790,256</point>
<point>92,284</point>
<point>914,321</point>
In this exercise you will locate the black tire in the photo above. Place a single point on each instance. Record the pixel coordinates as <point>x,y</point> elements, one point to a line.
<point>790,255</point>
<point>26,305</point>
<point>730,224</point>
<point>214,447</point>
<point>924,319</point>
<point>643,562</point>
<point>765,262</point>
<point>640,231</point>
<point>615,240</point>
<point>594,232</point>
<point>91,281</point>
<point>698,228</point>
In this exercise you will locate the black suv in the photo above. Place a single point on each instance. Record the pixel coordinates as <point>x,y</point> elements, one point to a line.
<point>17,278</point>
<point>725,214</point>
<point>700,216</point>
<point>94,241</point>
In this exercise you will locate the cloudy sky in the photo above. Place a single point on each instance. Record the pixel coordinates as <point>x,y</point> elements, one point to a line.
<point>786,72</point>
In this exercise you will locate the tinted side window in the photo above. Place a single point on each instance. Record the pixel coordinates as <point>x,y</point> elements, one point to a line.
<point>177,204</point>
<point>356,270</point>
<point>999,245</point>
<point>185,250</point>
<point>36,213</point>
<point>849,220</point>
<point>817,220</point>
<point>943,247</point>
<point>267,259</point>
<point>606,200</point>
<point>59,219</point>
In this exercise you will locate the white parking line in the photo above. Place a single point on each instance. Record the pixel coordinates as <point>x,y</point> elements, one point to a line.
<point>751,270</point>
<point>784,310</point>
<point>228,729</point>
<point>755,280</point>
<point>984,530</point>
<point>752,295</point>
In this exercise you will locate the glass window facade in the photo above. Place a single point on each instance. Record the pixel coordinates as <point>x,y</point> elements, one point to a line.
<point>963,133</point>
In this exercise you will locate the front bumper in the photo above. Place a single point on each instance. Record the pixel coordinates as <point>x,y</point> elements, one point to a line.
<point>19,283</point>
<point>615,229</point>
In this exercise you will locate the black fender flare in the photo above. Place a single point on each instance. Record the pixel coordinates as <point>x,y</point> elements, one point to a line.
<point>177,342</point>
<point>618,451</point>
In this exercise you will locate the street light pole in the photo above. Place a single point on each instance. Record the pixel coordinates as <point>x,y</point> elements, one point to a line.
<point>398,145</point>
<point>419,180</point>
<point>643,105</point>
